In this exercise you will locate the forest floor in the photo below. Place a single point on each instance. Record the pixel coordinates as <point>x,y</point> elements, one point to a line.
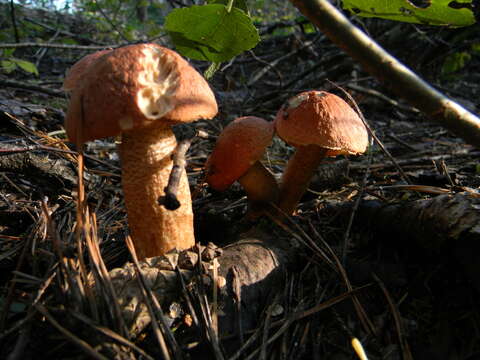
<point>411,250</point>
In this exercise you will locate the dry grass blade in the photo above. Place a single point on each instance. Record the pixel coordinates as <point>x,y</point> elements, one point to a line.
<point>266,327</point>
<point>298,315</point>
<point>147,295</point>
<point>406,354</point>
<point>112,334</point>
<point>102,274</point>
<point>310,244</point>
<point>11,288</point>
<point>339,268</point>
<point>274,337</point>
<point>367,323</point>
<point>326,304</point>
<point>247,344</point>
<point>80,229</point>
<point>83,345</point>
<point>187,298</point>
<point>205,310</point>
<point>214,268</point>
<point>359,350</point>
<point>373,135</point>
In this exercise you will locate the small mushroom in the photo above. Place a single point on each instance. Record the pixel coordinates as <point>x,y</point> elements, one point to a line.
<point>236,157</point>
<point>139,91</point>
<point>318,124</point>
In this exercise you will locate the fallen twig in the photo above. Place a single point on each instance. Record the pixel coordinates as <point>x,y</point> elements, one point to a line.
<point>31,87</point>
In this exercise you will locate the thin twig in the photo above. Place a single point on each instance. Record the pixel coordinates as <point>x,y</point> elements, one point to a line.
<point>159,334</point>
<point>407,355</point>
<point>169,200</point>
<point>108,332</point>
<point>63,32</point>
<point>55,46</point>
<point>31,87</point>
<point>372,134</point>
<point>83,345</point>
<point>14,21</point>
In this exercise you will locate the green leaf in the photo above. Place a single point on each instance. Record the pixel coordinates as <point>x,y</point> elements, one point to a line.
<point>26,66</point>
<point>8,66</point>
<point>455,62</point>
<point>8,52</point>
<point>434,12</point>
<point>211,33</point>
<point>240,4</point>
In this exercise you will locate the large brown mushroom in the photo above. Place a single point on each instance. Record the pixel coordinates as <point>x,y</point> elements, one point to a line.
<point>236,157</point>
<point>80,68</point>
<point>318,124</point>
<point>139,91</point>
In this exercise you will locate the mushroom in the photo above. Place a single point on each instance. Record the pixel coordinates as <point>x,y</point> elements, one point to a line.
<point>236,157</point>
<point>139,91</point>
<point>80,68</point>
<point>318,124</point>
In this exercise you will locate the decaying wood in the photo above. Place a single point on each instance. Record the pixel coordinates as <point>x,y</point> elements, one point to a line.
<point>256,264</point>
<point>443,224</point>
<point>48,173</point>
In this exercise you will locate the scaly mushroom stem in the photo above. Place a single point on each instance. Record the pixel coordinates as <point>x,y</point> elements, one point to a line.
<point>261,188</point>
<point>146,165</point>
<point>297,175</point>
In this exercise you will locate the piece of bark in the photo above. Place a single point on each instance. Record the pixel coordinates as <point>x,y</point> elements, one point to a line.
<point>445,224</point>
<point>431,223</point>
<point>52,175</point>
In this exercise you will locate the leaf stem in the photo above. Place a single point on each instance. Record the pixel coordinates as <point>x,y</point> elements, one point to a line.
<point>229,5</point>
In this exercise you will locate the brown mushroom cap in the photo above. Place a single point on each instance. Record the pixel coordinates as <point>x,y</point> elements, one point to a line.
<point>322,119</point>
<point>80,68</point>
<point>134,86</point>
<point>239,146</point>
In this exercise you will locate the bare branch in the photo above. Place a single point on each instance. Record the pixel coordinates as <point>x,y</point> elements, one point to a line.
<point>386,68</point>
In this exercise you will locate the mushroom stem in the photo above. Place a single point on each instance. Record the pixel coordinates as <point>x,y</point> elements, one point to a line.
<point>146,165</point>
<point>297,175</point>
<point>261,189</point>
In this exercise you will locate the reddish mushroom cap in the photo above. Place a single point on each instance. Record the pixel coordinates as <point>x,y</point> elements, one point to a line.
<point>239,146</point>
<point>134,86</point>
<point>80,68</point>
<point>322,119</point>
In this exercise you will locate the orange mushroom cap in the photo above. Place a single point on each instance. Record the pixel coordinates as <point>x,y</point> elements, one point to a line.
<point>322,119</point>
<point>134,86</point>
<point>239,146</point>
<point>80,68</point>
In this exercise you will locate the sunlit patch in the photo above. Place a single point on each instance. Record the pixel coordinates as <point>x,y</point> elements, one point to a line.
<point>159,81</point>
<point>296,101</point>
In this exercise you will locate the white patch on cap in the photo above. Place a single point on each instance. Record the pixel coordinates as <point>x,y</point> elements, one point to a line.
<point>296,101</point>
<point>159,81</point>
<point>125,123</point>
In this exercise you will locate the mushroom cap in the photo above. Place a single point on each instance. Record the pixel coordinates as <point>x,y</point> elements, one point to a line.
<point>239,146</point>
<point>80,68</point>
<point>323,119</point>
<point>134,86</point>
